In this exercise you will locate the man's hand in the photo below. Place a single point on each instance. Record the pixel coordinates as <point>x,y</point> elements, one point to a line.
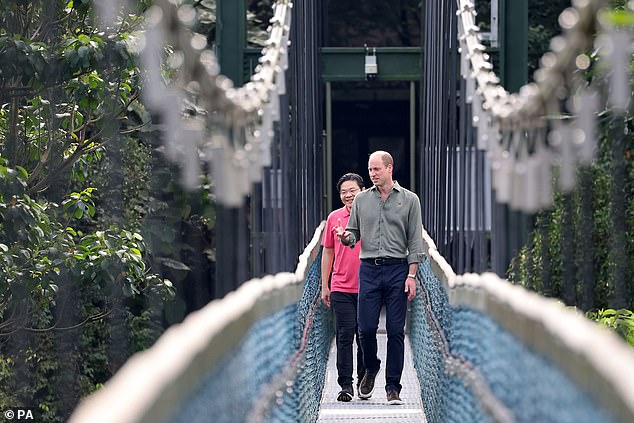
<point>325,296</point>
<point>410,288</point>
<point>341,233</point>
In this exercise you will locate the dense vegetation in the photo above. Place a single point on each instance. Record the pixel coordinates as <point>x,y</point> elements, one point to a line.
<point>93,223</point>
<point>573,251</point>
<point>590,242</point>
<point>100,248</point>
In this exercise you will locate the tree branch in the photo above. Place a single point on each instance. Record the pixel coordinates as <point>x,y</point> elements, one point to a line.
<point>136,128</point>
<point>88,319</point>
<point>81,149</point>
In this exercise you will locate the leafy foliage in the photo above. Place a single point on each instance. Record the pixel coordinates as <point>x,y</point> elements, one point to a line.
<point>77,296</point>
<point>259,13</point>
<point>621,321</point>
<point>545,250</point>
<point>527,266</point>
<point>54,278</point>
<point>64,84</point>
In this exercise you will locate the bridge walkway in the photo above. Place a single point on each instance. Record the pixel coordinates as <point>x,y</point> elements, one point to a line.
<point>376,408</point>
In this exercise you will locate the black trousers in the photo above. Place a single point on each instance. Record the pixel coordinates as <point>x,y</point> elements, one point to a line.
<point>344,305</point>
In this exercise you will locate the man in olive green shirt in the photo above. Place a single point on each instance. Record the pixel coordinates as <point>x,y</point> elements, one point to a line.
<point>387,217</point>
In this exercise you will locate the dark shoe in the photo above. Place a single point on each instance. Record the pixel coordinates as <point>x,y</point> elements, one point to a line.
<point>393,398</point>
<point>366,387</point>
<point>346,394</point>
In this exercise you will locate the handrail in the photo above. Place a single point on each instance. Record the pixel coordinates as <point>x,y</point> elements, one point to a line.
<point>243,117</point>
<point>532,102</point>
<point>154,382</point>
<point>550,123</point>
<point>593,357</point>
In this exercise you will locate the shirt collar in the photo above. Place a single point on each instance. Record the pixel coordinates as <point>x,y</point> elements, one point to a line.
<point>396,187</point>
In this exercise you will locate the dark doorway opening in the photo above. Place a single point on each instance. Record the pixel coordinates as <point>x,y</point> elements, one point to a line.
<point>370,116</point>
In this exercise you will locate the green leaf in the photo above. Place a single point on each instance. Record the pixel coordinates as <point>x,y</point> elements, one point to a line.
<point>83,51</point>
<point>23,172</point>
<point>127,290</point>
<point>619,17</point>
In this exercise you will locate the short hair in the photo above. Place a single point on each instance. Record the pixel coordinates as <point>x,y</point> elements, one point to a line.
<point>350,177</point>
<point>386,157</point>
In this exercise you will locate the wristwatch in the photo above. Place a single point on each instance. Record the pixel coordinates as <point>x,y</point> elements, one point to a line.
<point>410,275</point>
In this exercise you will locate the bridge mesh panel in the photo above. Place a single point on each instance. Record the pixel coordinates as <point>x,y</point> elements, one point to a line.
<point>426,346</point>
<point>525,382</point>
<point>230,391</point>
<point>301,404</point>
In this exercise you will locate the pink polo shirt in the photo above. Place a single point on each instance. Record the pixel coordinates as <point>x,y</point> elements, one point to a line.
<point>345,270</point>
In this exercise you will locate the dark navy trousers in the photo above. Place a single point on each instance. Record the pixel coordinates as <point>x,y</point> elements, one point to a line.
<point>344,305</point>
<point>378,286</point>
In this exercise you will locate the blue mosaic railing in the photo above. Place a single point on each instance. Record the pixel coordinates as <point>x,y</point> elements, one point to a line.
<point>257,355</point>
<point>487,351</point>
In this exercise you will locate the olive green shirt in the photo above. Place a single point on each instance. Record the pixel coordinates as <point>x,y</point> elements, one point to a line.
<point>390,228</point>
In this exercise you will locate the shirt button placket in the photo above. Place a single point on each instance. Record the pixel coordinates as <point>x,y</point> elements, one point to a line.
<point>381,252</point>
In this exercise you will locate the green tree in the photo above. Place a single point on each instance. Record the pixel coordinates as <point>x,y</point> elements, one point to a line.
<point>77,296</point>
<point>65,84</point>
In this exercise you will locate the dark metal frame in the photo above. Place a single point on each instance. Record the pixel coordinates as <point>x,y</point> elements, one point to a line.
<point>267,234</point>
<point>452,176</point>
<point>287,207</point>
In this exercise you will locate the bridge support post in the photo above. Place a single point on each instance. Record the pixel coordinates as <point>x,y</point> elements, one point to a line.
<point>232,244</point>
<point>231,36</point>
<point>513,32</point>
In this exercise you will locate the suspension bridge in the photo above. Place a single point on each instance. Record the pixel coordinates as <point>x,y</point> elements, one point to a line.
<point>481,349</point>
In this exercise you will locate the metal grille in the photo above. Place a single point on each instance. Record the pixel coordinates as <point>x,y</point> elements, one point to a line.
<point>454,179</point>
<point>287,205</point>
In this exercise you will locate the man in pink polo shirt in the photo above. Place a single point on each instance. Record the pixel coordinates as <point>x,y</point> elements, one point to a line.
<point>344,285</point>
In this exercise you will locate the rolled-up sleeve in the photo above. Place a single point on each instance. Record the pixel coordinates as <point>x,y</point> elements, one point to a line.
<point>415,233</point>
<point>353,225</point>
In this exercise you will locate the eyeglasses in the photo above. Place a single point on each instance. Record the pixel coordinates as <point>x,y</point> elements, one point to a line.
<point>349,191</point>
